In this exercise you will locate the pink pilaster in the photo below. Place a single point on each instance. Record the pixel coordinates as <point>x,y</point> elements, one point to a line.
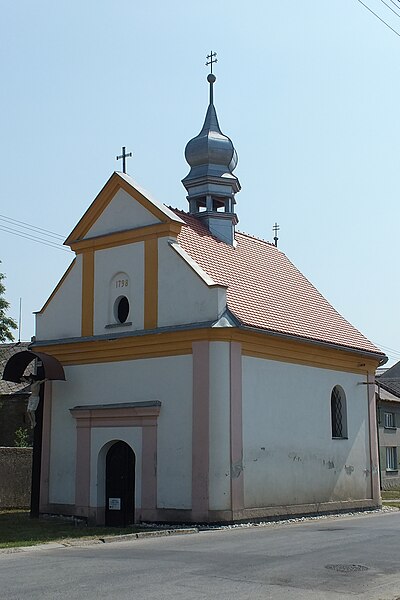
<point>236,425</point>
<point>149,467</point>
<point>200,430</point>
<point>82,479</point>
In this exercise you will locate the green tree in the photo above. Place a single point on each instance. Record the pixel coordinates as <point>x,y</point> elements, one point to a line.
<point>6,323</point>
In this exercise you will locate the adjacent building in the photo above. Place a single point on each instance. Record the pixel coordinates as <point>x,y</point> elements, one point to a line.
<point>388,406</point>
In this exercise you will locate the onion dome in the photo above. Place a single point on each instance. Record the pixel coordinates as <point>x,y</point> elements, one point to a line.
<point>211,151</point>
<point>210,184</point>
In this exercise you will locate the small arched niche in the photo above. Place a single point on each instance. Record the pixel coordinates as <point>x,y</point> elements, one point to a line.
<point>120,301</point>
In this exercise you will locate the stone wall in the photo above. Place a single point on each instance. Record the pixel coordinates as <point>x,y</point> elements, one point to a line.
<point>15,477</point>
<point>12,417</point>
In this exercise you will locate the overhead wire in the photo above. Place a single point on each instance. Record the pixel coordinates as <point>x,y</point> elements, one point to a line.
<point>395,3</point>
<point>390,8</point>
<point>34,238</point>
<point>25,225</point>
<point>378,17</point>
<point>388,349</point>
<point>27,230</point>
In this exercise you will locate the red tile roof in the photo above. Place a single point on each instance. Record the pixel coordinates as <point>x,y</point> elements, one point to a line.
<point>265,290</point>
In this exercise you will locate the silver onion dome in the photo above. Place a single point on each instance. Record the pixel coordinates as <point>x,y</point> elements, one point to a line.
<point>210,152</point>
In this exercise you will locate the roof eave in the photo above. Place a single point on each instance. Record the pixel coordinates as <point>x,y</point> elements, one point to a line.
<point>382,358</point>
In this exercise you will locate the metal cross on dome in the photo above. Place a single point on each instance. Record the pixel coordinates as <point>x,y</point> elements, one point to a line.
<point>211,59</point>
<point>124,156</point>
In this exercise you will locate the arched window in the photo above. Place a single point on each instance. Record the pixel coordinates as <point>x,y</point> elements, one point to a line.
<point>338,413</point>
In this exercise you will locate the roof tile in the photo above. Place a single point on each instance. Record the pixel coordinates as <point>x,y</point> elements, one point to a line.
<point>265,290</point>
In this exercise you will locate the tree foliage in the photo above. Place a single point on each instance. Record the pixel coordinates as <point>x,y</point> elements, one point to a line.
<point>6,323</point>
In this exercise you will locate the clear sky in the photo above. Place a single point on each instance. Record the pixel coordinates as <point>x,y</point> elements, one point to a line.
<point>308,92</point>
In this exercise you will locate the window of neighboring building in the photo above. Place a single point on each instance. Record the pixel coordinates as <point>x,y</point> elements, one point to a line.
<point>389,421</point>
<point>338,413</point>
<point>391,458</point>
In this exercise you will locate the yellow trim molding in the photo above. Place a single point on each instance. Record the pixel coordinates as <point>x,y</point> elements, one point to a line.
<point>256,345</point>
<point>128,236</point>
<point>150,283</point>
<point>87,293</point>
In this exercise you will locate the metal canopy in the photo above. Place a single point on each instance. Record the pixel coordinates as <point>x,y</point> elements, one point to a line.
<point>17,364</point>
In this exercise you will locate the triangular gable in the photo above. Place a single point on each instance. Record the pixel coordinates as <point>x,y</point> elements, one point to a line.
<point>121,205</point>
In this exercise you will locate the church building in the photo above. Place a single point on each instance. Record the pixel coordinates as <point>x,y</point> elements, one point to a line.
<point>207,380</point>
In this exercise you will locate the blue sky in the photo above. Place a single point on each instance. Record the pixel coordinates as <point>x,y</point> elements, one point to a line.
<point>308,92</point>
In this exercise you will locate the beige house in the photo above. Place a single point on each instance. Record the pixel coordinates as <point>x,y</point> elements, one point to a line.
<point>388,410</point>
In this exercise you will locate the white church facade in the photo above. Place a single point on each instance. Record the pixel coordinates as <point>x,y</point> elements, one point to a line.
<point>206,379</point>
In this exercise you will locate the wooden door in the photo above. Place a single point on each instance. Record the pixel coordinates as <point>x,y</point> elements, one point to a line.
<point>120,485</point>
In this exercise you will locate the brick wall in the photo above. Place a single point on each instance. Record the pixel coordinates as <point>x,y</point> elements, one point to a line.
<point>15,477</point>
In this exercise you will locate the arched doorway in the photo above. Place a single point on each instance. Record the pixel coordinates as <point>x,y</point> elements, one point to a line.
<point>120,485</point>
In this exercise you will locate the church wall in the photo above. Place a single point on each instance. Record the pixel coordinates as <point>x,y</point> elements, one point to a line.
<point>183,297</point>
<point>219,458</point>
<point>123,212</point>
<point>168,379</point>
<point>289,454</point>
<point>127,260</point>
<point>61,318</point>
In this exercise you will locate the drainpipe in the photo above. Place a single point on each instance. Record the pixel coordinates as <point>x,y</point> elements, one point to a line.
<point>377,432</point>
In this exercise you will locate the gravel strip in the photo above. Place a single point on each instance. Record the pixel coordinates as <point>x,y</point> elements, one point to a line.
<point>272,522</point>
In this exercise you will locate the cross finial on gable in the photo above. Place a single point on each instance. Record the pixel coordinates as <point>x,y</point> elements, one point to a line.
<point>275,229</point>
<point>124,155</point>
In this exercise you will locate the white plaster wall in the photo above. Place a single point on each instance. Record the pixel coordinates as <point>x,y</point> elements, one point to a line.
<point>289,454</point>
<point>99,438</point>
<point>166,379</point>
<point>127,259</point>
<point>123,212</point>
<point>183,297</point>
<point>62,441</point>
<point>219,460</point>
<point>63,315</point>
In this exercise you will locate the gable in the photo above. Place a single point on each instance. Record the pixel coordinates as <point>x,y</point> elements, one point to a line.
<point>123,212</point>
<point>122,205</point>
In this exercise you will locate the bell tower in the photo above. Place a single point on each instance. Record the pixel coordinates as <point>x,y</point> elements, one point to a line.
<point>210,183</point>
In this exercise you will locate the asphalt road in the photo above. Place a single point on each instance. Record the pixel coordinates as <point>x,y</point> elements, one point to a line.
<point>345,557</point>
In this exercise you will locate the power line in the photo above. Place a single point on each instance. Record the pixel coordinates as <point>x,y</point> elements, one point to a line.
<point>395,3</point>
<point>34,238</point>
<point>391,350</point>
<point>390,8</point>
<point>30,226</point>
<point>378,17</point>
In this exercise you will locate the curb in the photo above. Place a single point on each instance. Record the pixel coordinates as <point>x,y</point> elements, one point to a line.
<point>97,541</point>
<point>148,534</point>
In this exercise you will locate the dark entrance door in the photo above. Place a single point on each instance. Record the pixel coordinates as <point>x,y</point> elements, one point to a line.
<point>120,485</point>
